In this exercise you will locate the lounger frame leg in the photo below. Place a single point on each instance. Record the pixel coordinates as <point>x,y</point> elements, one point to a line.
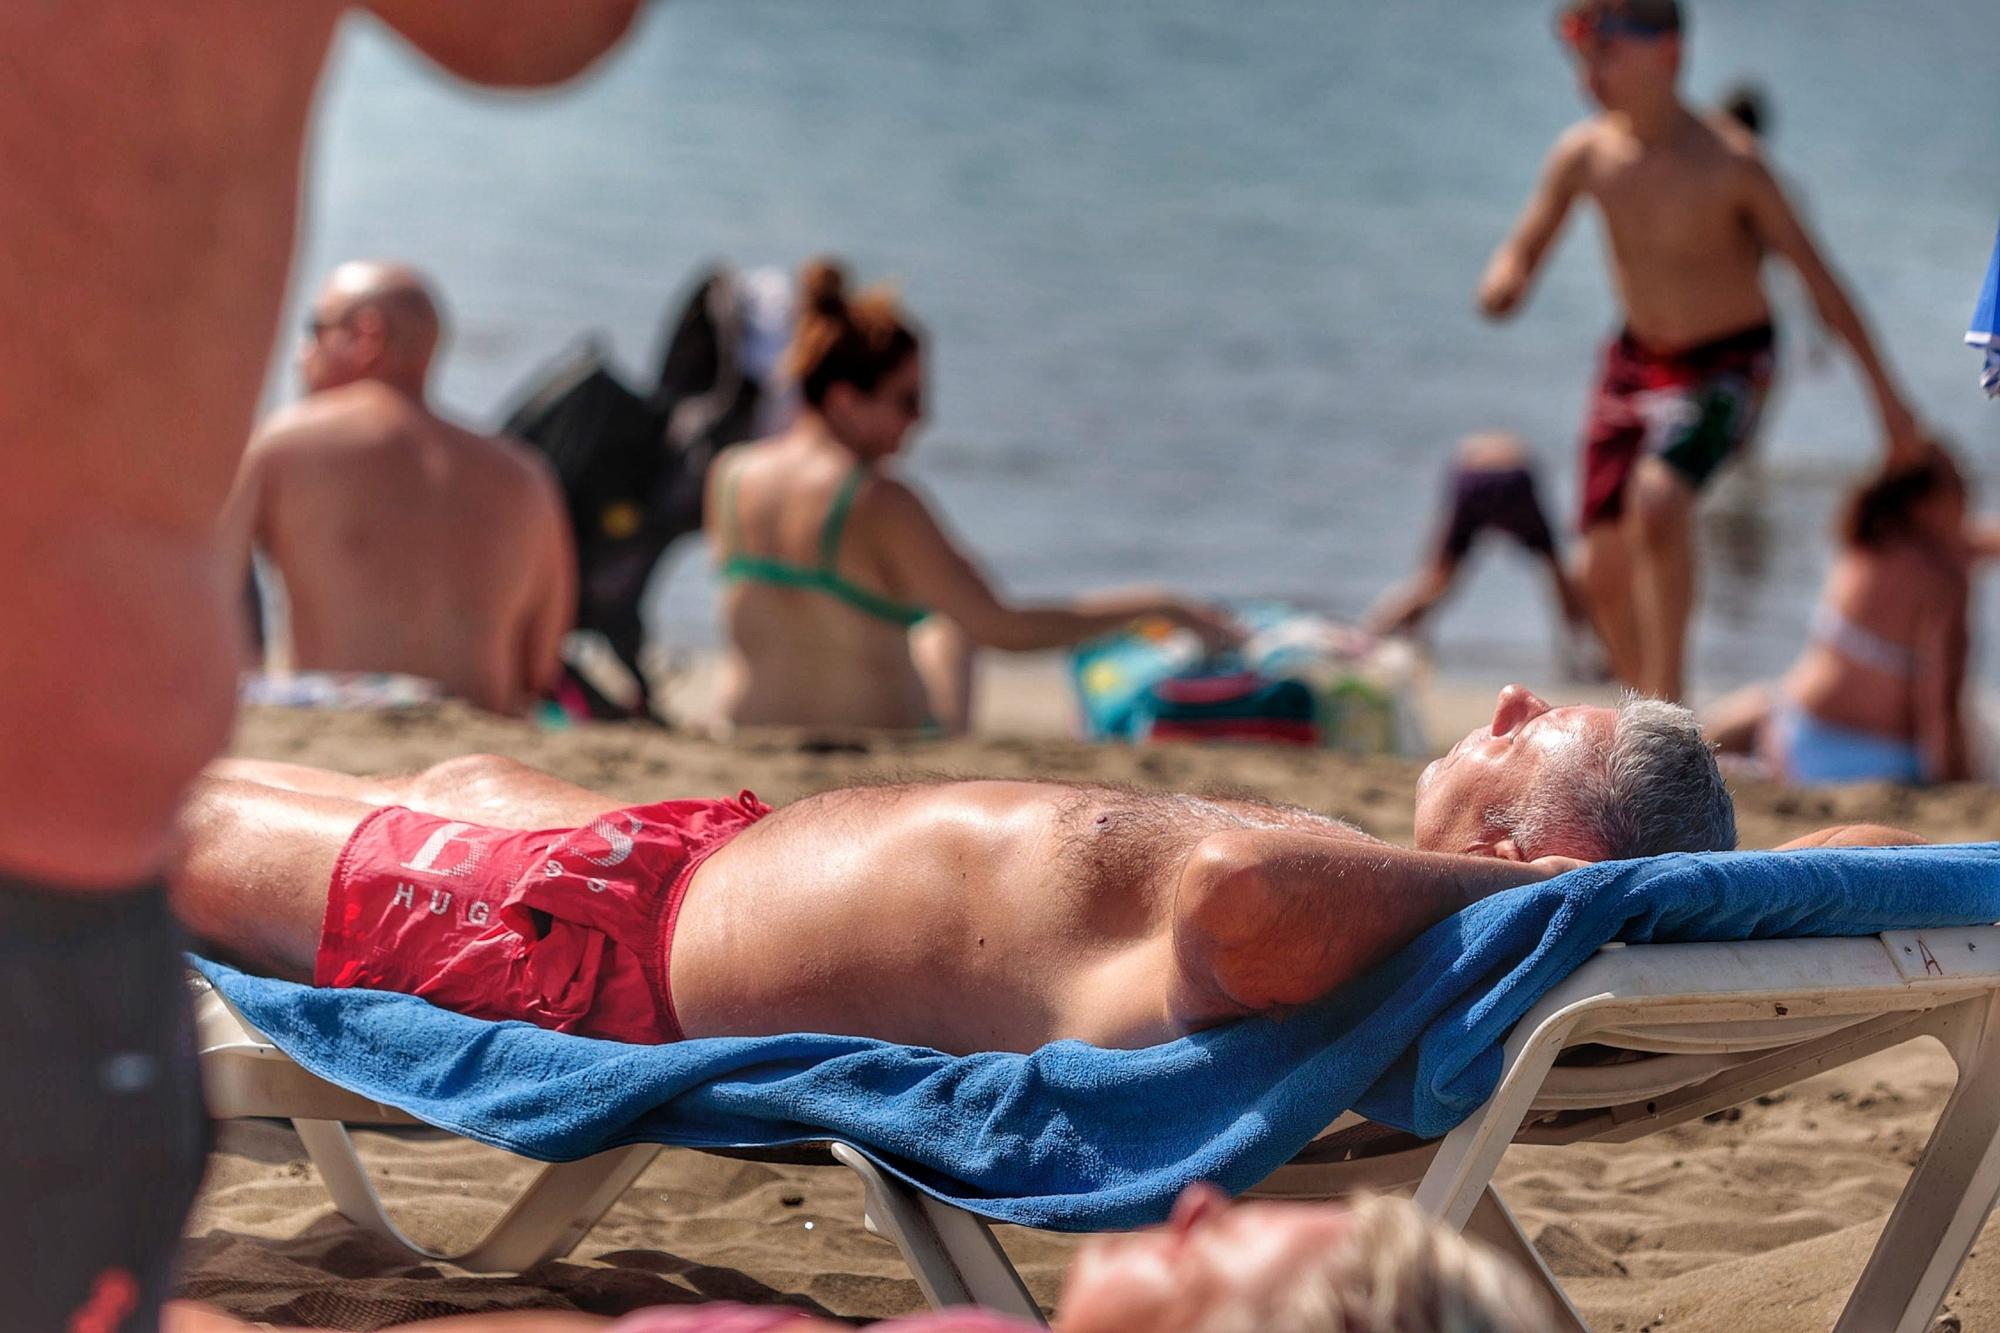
<point>954,1254</point>
<point>1950,1193</point>
<point>1493,1222</point>
<point>1467,1158</point>
<point>545,1222</point>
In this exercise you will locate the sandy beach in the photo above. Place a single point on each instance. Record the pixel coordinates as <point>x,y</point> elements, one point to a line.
<point>1757,1219</point>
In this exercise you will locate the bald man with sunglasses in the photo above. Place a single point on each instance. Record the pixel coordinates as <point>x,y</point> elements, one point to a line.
<point>405,542</point>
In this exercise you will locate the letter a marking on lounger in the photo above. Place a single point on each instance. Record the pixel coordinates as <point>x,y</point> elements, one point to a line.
<point>406,895</point>
<point>1931,964</point>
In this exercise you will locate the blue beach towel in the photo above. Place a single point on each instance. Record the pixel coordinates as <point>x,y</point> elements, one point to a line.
<point>1074,1137</point>
<point>1985,330</point>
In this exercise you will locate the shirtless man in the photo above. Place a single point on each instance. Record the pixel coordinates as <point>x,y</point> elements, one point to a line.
<point>1690,213</point>
<point>1113,916</point>
<point>151,154</point>
<point>406,543</point>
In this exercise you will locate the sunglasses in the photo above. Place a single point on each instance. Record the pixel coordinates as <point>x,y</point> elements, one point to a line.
<point>1585,32</point>
<point>317,325</point>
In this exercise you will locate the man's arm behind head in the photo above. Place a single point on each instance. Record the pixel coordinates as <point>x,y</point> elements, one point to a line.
<point>1855,835</point>
<point>511,43</point>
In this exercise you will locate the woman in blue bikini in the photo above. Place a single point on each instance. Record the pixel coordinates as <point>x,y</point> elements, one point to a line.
<point>1878,693</point>
<point>845,602</point>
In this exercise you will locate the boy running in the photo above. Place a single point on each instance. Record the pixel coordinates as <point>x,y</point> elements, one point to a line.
<point>1690,212</point>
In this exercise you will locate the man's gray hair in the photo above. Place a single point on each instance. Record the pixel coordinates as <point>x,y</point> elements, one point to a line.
<point>1657,789</point>
<point>1395,1271</point>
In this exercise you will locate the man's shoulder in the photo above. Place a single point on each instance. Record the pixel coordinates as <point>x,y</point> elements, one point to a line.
<point>354,414</point>
<point>520,462</point>
<point>1581,138</point>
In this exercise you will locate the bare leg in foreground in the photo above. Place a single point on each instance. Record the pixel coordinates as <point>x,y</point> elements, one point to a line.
<point>152,156</point>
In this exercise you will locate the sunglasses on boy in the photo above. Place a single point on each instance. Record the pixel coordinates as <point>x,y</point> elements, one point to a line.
<point>1582,31</point>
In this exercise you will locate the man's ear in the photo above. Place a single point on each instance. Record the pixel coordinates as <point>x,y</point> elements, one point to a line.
<point>1507,850</point>
<point>371,333</point>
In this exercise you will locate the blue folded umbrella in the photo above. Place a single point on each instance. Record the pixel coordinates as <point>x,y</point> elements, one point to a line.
<point>1985,319</point>
<point>1080,1138</point>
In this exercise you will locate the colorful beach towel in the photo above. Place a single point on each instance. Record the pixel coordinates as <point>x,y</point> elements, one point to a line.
<point>1986,323</point>
<point>1080,1138</point>
<point>1299,678</point>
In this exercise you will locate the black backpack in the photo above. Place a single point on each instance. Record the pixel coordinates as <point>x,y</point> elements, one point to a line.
<point>633,466</point>
<point>607,445</point>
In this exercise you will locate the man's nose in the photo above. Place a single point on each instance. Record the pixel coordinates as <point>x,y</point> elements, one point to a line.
<point>1516,704</point>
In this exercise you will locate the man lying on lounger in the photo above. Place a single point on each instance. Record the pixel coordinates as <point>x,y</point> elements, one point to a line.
<point>966,916</point>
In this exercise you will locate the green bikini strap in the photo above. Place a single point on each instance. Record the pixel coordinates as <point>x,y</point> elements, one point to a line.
<point>725,500</point>
<point>836,517</point>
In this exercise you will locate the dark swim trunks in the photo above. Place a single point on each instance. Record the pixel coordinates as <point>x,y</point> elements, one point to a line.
<point>1692,409</point>
<point>1502,501</point>
<point>100,1106</point>
<point>570,929</point>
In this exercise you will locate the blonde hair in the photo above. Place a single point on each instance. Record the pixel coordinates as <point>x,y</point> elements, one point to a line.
<point>1395,1271</point>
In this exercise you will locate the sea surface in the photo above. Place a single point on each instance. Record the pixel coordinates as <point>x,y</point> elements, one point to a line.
<point>1198,273</point>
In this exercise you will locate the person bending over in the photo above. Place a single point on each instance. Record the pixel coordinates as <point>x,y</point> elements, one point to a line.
<point>845,601</point>
<point>1690,213</point>
<point>1492,490</point>
<point>406,543</point>
<point>1378,1266</point>
<point>1113,916</point>
<point>1878,695</point>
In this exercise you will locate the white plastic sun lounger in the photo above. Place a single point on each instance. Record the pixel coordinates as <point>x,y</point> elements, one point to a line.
<point>1678,1031</point>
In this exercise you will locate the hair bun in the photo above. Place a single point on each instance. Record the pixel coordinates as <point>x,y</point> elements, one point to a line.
<point>823,287</point>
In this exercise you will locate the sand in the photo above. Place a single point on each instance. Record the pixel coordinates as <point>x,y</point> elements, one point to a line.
<point>1756,1220</point>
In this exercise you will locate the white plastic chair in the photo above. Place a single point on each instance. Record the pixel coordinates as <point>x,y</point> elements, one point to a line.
<point>1691,1029</point>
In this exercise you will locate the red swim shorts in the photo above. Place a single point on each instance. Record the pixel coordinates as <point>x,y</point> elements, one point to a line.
<point>568,929</point>
<point>1694,410</point>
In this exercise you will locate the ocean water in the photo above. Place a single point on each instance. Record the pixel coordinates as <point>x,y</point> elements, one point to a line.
<point>1198,273</point>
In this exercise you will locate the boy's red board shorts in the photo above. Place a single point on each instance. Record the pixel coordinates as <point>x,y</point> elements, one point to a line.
<point>1693,409</point>
<point>569,929</point>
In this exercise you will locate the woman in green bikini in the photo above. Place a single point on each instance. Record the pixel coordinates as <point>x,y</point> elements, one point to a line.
<point>845,602</point>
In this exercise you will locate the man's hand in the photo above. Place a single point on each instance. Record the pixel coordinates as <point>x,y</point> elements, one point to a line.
<point>1551,866</point>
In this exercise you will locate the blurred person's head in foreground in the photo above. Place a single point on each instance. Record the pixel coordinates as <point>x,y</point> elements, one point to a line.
<point>857,359</point>
<point>1592,783</point>
<point>1923,501</point>
<point>1379,1266</point>
<point>1628,52</point>
<point>373,320</point>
